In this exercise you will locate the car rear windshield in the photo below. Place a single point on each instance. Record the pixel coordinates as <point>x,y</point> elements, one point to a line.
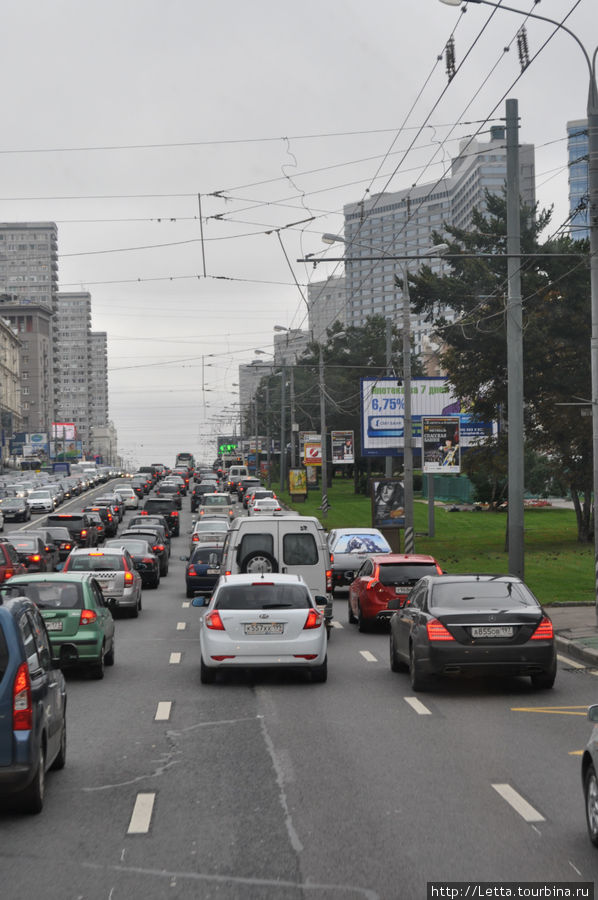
<point>59,534</point>
<point>24,543</point>
<point>361,543</point>
<point>96,563</point>
<point>216,501</point>
<point>481,595</point>
<point>206,556</point>
<point>263,596</point>
<point>135,548</point>
<point>405,573</point>
<point>159,505</point>
<point>58,595</point>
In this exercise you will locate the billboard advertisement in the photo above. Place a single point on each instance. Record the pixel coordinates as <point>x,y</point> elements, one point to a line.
<point>343,447</point>
<point>383,411</point>
<point>441,448</point>
<point>65,431</point>
<point>312,452</point>
<point>388,503</point>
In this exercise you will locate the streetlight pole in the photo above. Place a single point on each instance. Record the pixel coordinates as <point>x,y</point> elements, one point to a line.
<point>592,115</point>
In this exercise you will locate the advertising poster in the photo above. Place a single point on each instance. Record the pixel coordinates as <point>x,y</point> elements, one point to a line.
<point>297,482</point>
<point>312,453</point>
<point>441,448</point>
<point>343,447</point>
<point>304,436</point>
<point>66,431</point>
<point>388,503</point>
<point>311,474</point>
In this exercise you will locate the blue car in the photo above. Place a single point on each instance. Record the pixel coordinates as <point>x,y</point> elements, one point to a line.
<point>32,706</point>
<point>203,569</point>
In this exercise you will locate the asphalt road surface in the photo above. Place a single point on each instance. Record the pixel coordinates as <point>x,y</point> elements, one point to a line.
<point>266,787</point>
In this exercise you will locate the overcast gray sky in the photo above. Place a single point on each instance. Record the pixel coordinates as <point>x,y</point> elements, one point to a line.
<point>117,114</point>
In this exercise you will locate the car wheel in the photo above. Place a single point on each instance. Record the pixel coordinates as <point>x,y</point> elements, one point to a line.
<point>319,674</point>
<point>60,761</point>
<point>395,663</point>
<point>543,681</point>
<point>362,623</point>
<point>135,611</point>
<point>97,670</point>
<point>418,681</point>
<point>190,593</point>
<point>31,800</point>
<point>156,583</point>
<point>350,615</point>
<point>109,657</point>
<point>259,561</point>
<point>164,571</point>
<point>206,675</point>
<point>590,790</point>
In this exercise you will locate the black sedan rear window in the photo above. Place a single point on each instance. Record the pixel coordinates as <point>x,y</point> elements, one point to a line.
<point>405,574</point>
<point>481,595</point>
<point>263,596</point>
<point>58,595</point>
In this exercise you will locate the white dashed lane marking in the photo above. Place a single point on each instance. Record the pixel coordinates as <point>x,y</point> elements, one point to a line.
<point>525,810</point>
<point>368,656</point>
<point>418,706</point>
<point>336,624</point>
<point>180,626</point>
<point>163,711</point>
<point>142,814</point>
<point>186,604</point>
<point>175,658</point>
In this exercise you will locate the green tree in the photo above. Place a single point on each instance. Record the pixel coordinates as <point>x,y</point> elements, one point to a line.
<point>556,343</point>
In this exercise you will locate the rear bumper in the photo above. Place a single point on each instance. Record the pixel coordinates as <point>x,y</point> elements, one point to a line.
<point>525,659</point>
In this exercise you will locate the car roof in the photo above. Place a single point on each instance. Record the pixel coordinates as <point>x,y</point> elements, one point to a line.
<point>50,576</point>
<point>266,577</point>
<point>389,559</point>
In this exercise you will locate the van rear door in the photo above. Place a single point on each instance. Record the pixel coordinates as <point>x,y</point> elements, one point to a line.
<point>302,555</point>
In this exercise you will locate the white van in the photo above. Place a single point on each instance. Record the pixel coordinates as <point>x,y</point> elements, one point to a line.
<point>292,545</point>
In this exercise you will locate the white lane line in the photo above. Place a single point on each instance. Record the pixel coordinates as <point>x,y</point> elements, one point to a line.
<point>175,658</point>
<point>142,814</point>
<point>180,626</point>
<point>368,656</point>
<point>336,624</point>
<point>163,711</point>
<point>569,662</point>
<point>418,706</point>
<point>186,604</point>
<point>525,810</point>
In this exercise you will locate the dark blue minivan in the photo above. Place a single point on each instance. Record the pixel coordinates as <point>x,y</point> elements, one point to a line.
<point>32,707</point>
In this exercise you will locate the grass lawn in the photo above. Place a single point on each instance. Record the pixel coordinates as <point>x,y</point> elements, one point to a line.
<point>557,567</point>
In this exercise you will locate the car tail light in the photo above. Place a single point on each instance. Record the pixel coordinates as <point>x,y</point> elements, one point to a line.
<point>213,620</point>
<point>195,538</point>
<point>305,655</point>
<point>35,557</point>
<point>228,573</point>
<point>143,512</point>
<point>372,585</point>
<point>314,619</point>
<point>8,573</point>
<point>328,580</point>
<point>331,558</point>
<point>148,560</point>
<point>87,617</point>
<point>84,532</point>
<point>190,570</point>
<point>544,631</point>
<point>174,512</point>
<point>22,711</point>
<point>437,631</point>
<point>129,578</point>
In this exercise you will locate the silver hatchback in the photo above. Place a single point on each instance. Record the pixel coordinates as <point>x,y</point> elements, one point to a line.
<point>115,573</point>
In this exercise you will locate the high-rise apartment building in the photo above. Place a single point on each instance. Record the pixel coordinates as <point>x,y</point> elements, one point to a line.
<point>98,394</point>
<point>402,224</point>
<point>327,301</point>
<point>72,325</point>
<point>28,285</point>
<point>579,186</point>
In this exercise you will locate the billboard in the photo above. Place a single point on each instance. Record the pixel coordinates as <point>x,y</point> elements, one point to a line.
<point>441,447</point>
<point>312,452</point>
<point>343,447</point>
<point>383,412</point>
<point>66,431</point>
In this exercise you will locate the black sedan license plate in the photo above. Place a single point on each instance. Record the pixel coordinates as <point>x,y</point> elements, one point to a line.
<point>492,631</point>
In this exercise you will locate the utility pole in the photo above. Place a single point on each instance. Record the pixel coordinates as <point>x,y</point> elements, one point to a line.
<point>283,440</point>
<point>514,348</point>
<point>293,456</point>
<point>324,506</point>
<point>268,437</point>
<point>388,469</point>
<point>407,425</point>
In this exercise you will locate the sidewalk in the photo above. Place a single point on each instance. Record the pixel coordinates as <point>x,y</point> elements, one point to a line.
<point>576,631</point>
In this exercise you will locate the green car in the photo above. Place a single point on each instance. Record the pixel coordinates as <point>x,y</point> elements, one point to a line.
<point>75,613</point>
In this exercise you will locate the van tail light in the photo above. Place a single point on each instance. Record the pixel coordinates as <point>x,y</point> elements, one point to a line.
<point>84,532</point>
<point>305,655</point>
<point>213,620</point>
<point>129,578</point>
<point>328,581</point>
<point>22,711</point>
<point>437,631</point>
<point>220,658</point>
<point>544,631</point>
<point>87,617</point>
<point>314,619</point>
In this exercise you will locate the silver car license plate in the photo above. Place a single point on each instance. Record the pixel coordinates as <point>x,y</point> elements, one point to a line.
<point>492,631</point>
<point>264,628</point>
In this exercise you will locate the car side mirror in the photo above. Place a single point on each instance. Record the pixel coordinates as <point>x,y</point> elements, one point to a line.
<point>593,713</point>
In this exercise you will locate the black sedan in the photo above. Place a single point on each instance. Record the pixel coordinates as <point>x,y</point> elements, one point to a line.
<point>15,508</point>
<point>63,540</point>
<point>155,538</point>
<point>477,624</point>
<point>145,561</point>
<point>203,569</point>
<point>32,552</point>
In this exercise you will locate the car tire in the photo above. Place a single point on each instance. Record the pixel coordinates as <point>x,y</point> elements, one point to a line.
<point>164,571</point>
<point>319,674</point>
<point>206,675</point>
<point>362,623</point>
<point>543,681</point>
<point>350,616</point>
<point>156,582</point>
<point>31,800</point>
<point>109,657</point>
<point>590,792</point>
<point>257,562</point>
<point>395,663</point>
<point>189,593</point>
<point>97,670</point>
<point>418,681</point>
<point>60,761</point>
<point>134,613</point>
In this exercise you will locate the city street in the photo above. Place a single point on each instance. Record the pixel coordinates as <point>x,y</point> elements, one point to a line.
<point>268,786</point>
